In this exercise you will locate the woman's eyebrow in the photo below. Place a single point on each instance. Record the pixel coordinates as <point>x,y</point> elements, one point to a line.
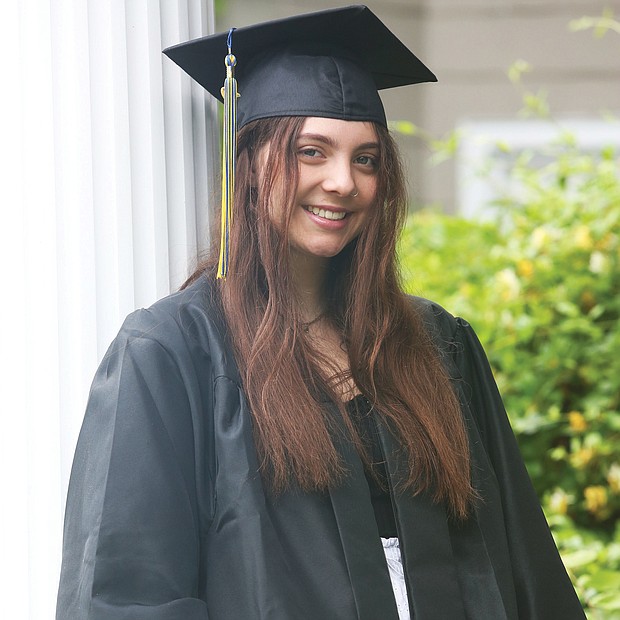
<point>368,145</point>
<point>317,137</point>
<point>327,140</point>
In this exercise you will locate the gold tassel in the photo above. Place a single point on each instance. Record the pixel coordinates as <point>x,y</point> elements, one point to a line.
<point>229,156</point>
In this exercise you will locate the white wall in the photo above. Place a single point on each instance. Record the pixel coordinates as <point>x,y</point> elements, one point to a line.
<point>106,166</point>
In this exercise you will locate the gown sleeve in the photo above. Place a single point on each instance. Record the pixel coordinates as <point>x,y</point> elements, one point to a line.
<point>132,538</point>
<point>543,589</point>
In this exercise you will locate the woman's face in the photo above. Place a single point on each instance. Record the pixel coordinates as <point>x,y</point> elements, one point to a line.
<point>338,163</point>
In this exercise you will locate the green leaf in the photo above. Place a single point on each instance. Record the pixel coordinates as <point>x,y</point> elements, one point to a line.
<point>605,580</point>
<point>517,69</point>
<point>606,601</point>
<point>406,128</point>
<point>577,559</point>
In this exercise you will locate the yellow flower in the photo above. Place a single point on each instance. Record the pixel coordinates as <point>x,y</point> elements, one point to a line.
<point>596,498</point>
<point>558,502</point>
<point>525,268</point>
<point>540,238</point>
<point>581,458</point>
<point>577,422</point>
<point>613,478</point>
<point>509,284</point>
<point>583,237</point>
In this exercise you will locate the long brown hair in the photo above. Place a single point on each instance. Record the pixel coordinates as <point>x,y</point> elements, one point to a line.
<point>392,359</point>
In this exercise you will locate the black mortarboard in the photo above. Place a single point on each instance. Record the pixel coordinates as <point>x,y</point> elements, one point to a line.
<point>329,63</point>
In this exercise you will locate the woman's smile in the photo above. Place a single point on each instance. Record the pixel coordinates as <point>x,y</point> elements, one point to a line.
<point>328,213</point>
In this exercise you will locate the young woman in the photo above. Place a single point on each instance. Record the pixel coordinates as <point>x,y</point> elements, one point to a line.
<point>301,440</point>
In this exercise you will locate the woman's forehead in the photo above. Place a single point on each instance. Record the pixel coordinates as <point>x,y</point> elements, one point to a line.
<point>338,129</point>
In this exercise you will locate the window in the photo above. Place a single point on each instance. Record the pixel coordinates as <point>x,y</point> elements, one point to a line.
<point>488,149</point>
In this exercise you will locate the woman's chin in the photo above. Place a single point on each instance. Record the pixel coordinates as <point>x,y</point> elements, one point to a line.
<point>318,252</point>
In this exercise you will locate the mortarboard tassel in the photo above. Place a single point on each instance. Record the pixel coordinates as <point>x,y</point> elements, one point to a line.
<point>229,156</point>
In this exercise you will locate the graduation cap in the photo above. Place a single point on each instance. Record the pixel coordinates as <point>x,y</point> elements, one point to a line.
<point>329,63</point>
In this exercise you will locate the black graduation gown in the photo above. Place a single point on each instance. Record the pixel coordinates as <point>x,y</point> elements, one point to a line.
<point>167,517</point>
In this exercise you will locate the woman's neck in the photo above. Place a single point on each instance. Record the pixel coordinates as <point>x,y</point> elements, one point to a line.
<point>309,275</point>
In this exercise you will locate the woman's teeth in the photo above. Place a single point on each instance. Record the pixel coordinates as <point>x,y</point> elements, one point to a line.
<point>328,215</point>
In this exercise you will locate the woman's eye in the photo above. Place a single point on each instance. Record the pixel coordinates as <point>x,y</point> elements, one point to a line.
<point>367,160</point>
<point>309,152</point>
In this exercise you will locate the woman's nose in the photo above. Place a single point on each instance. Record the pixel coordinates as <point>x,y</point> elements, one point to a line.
<point>339,178</point>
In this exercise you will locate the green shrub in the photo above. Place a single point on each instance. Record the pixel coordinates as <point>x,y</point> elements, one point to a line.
<point>541,285</point>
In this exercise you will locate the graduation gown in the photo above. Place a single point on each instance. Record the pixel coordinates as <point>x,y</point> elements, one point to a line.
<point>167,517</point>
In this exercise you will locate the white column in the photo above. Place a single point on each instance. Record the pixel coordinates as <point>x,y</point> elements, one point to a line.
<point>190,122</point>
<point>107,161</point>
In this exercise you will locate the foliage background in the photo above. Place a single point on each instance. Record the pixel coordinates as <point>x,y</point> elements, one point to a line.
<point>540,283</point>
